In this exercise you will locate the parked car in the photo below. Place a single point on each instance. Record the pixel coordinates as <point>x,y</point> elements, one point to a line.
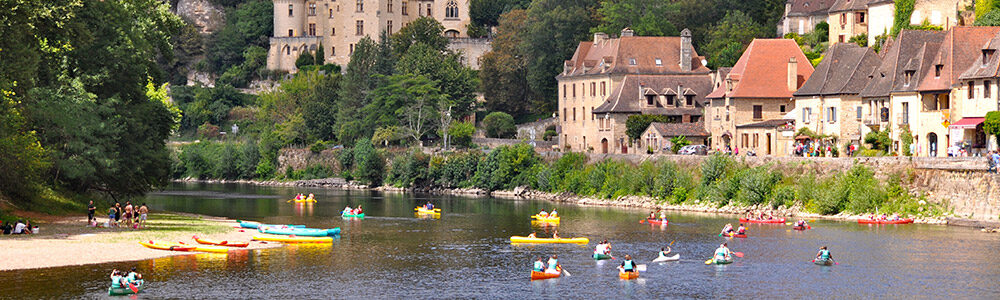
<point>693,150</point>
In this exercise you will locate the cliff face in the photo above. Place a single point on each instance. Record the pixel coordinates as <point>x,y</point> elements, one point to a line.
<point>206,17</point>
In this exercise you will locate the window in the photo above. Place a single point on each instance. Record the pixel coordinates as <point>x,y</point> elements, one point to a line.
<point>859,17</point>
<point>564,115</point>
<point>756,137</point>
<point>858,109</point>
<point>986,56</point>
<point>574,114</point>
<point>290,10</point>
<point>843,19</point>
<point>694,119</point>
<point>351,50</point>
<point>291,32</point>
<point>564,91</point>
<point>388,6</point>
<point>288,50</point>
<point>403,8</point>
<point>331,13</point>
<point>831,114</point>
<point>428,10</point>
<point>670,100</point>
<point>840,38</point>
<point>574,90</point>
<point>359,27</point>
<point>312,9</point>
<point>593,89</point>
<point>972,89</point>
<point>631,61</point>
<point>986,90</point>
<point>388,26</point>
<point>690,100</point>
<point>906,113</point>
<point>333,31</point>
<point>333,51</point>
<point>312,29</point>
<point>451,10</point>
<point>659,62</point>
<point>650,100</point>
<point>603,90</point>
<point>758,112</point>
<point>907,76</point>
<point>781,108</point>
<point>806,115</point>
<point>746,140</point>
<point>359,6</point>
<point>937,71</point>
<point>591,113</point>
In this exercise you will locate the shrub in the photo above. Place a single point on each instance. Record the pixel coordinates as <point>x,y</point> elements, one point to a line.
<point>636,124</point>
<point>782,195</point>
<point>409,170</point>
<point>879,140</point>
<point>499,125</point>
<point>208,131</point>
<point>368,164</point>
<point>305,59</point>
<point>317,147</point>
<point>715,168</point>
<point>461,133</point>
<point>457,171</point>
<point>755,185</point>
<point>905,140</point>
<point>506,167</point>
<point>678,142</point>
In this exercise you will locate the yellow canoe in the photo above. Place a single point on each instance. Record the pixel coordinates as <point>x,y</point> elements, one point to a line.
<point>182,246</point>
<point>293,239</point>
<point>305,200</point>
<point>421,210</point>
<point>530,240</point>
<point>545,219</point>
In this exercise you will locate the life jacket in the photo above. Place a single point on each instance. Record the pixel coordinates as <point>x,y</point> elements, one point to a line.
<point>116,281</point>
<point>553,263</point>
<point>628,265</point>
<point>824,254</point>
<point>742,230</point>
<point>720,253</point>
<point>539,266</point>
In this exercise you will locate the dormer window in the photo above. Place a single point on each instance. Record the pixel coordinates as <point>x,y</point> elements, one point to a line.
<point>689,100</point>
<point>659,63</point>
<point>650,100</point>
<point>937,71</point>
<point>631,61</point>
<point>987,53</point>
<point>670,100</point>
<point>907,77</point>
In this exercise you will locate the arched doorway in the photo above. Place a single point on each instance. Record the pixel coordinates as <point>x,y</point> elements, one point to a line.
<point>451,33</point>
<point>604,146</point>
<point>932,144</point>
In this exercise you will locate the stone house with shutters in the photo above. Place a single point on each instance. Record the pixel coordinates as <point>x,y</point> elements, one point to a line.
<point>849,18</point>
<point>658,136</point>
<point>757,92</point>
<point>609,79</point>
<point>977,94</point>
<point>801,16</point>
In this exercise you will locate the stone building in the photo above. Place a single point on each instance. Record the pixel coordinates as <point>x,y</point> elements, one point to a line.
<point>849,18</point>
<point>305,25</point>
<point>758,90</point>
<point>801,16</point>
<point>609,79</point>
<point>977,94</point>
<point>829,103</point>
<point>658,136</point>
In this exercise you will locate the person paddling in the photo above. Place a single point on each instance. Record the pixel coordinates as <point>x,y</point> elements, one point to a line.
<point>727,229</point>
<point>543,214</point>
<point>723,253</point>
<point>553,214</point>
<point>824,254</point>
<point>533,235</point>
<point>429,206</point>
<point>554,267</point>
<point>539,265</point>
<point>117,281</point>
<point>742,229</point>
<point>627,265</point>
<point>663,216</point>
<point>665,252</point>
<point>800,223</point>
<point>555,234</point>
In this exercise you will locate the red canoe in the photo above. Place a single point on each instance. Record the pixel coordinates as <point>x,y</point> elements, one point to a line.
<point>735,235</point>
<point>775,221</point>
<point>535,275</point>
<point>900,221</point>
<point>657,221</point>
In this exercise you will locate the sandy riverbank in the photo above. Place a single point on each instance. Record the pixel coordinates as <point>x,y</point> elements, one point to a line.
<point>66,241</point>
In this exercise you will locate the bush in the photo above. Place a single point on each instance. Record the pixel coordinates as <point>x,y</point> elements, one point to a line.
<point>456,171</point>
<point>678,142</point>
<point>879,140</point>
<point>461,133</point>
<point>317,147</point>
<point>409,170</point>
<point>305,59</point>
<point>499,125</point>
<point>755,185</point>
<point>636,124</point>
<point>368,164</point>
<point>715,168</point>
<point>782,195</point>
<point>506,167</point>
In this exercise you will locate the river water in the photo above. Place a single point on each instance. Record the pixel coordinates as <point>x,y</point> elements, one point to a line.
<point>466,254</point>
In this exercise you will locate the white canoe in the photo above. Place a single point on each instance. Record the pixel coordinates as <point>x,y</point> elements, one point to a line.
<point>667,258</point>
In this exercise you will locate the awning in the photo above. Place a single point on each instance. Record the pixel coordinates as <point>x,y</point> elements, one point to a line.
<point>967,123</point>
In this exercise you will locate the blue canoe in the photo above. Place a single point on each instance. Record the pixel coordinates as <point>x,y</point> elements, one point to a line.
<point>300,231</point>
<point>256,225</point>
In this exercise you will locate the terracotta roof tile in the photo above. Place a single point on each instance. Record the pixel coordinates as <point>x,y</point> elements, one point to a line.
<point>762,71</point>
<point>956,54</point>
<point>615,56</point>
<point>991,68</point>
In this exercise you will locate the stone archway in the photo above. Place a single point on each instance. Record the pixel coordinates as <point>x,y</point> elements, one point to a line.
<point>604,146</point>
<point>932,147</point>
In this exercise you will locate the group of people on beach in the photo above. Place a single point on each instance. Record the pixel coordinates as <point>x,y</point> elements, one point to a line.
<point>129,216</point>
<point>20,227</point>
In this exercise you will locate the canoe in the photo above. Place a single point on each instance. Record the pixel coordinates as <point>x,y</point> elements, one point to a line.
<point>900,221</point>
<point>657,221</point>
<point>113,291</point>
<point>421,210</point>
<point>300,231</point>
<point>545,219</point>
<point>735,235</point>
<point>667,258</point>
<point>775,221</point>
<point>167,246</point>
<point>535,275</point>
<point>305,201</point>
<point>800,228</point>
<point>359,216</point>
<point>293,239</point>
<point>255,225</point>
<point>722,262</point>
<point>528,240</point>
<point>628,275</point>
<point>823,262</point>
<point>208,249</point>
<point>220,243</point>
<point>601,256</point>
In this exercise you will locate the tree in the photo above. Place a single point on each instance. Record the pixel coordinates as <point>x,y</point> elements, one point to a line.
<point>991,18</point>
<point>364,74</point>
<point>457,82</point>
<point>736,27</point>
<point>503,70</point>
<point>305,59</point>
<point>368,164</point>
<point>320,57</point>
<point>555,28</point>
<point>901,17</point>
<point>487,13</point>
<point>645,17</point>
<point>879,140</point>
<point>678,142</point>
<point>635,125</point>
<point>499,125</point>
<point>991,125</point>
<point>249,24</point>
<point>407,100</point>
<point>319,107</point>
<point>861,40</point>
<point>424,30</point>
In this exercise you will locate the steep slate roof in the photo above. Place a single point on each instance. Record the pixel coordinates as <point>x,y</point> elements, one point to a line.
<point>627,97</point>
<point>909,48</point>
<point>957,52</point>
<point>762,71</point>
<point>991,68</point>
<point>696,129</point>
<point>613,55</point>
<point>844,70</point>
<point>768,124</point>
<point>849,5</point>
<point>809,7</point>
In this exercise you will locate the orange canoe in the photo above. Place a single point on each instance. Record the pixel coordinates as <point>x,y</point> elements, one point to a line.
<point>220,243</point>
<point>535,275</point>
<point>166,246</point>
<point>628,275</point>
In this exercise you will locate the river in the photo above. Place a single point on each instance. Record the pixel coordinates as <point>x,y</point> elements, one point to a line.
<point>467,254</point>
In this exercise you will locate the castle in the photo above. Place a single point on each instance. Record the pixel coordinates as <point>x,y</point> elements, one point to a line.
<point>305,25</point>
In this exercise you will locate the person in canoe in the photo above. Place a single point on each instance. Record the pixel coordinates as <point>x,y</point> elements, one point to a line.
<point>347,211</point>
<point>627,265</point>
<point>824,254</point>
<point>533,235</point>
<point>358,210</point>
<point>555,234</point>
<point>133,277</point>
<point>742,229</point>
<point>554,266</point>
<point>311,197</point>
<point>539,265</point>
<point>727,229</point>
<point>801,223</point>
<point>652,215</point>
<point>663,216</point>
<point>117,280</point>
<point>429,206</point>
<point>723,253</point>
<point>665,252</point>
<point>603,248</point>
<point>543,214</point>
<point>553,214</point>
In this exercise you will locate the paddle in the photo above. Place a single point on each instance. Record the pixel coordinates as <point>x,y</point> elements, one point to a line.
<point>640,268</point>
<point>738,254</point>
<point>564,271</point>
<point>133,288</point>
<point>709,261</point>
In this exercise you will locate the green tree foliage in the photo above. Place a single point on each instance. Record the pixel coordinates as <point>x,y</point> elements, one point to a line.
<point>901,17</point>
<point>409,169</point>
<point>678,142</point>
<point>457,82</point>
<point>555,28</point>
<point>735,27</point>
<point>408,101</point>
<point>503,70</point>
<point>424,30</point>
<point>368,164</point>
<point>991,125</point>
<point>22,157</point>
<point>645,17</point>
<point>905,140</point>
<point>991,18</point>
<point>879,140</point>
<point>305,59</point>
<point>983,7</point>
<point>254,63</point>
<point>486,13</point>
<point>499,125</point>
<point>506,167</point>
<point>861,40</point>
<point>461,133</point>
<point>248,24</point>
<point>189,46</point>
<point>635,125</point>
<point>369,64</point>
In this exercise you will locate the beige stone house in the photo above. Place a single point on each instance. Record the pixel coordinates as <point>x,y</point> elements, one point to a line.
<point>829,103</point>
<point>977,95</point>
<point>801,16</point>
<point>658,136</point>
<point>944,13</point>
<point>847,18</point>
<point>758,92</point>
<point>609,79</point>
<point>305,25</point>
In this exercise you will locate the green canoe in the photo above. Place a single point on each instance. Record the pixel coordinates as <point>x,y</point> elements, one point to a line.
<point>823,262</point>
<point>601,256</point>
<point>722,262</point>
<point>359,216</point>
<point>113,291</point>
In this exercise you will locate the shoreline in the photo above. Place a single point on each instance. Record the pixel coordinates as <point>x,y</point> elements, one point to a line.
<point>640,202</point>
<point>66,241</point>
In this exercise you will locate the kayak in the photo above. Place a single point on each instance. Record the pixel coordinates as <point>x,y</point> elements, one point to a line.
<point>657,221</point>
<point>546,219</point>
<point>900,221</point>
<point>775,221</point>
<point>602,256</point>
<point>255,225</point>
<point>667,258</point>
<point>166,246</point>
<point>735,235</point>
<point>421,210</point>
<point>300,231</point>
<point>628,275</point>
<point>359,216</point>
<point>293,239</point>
<point>722,262</point>
<point>823,262</point>
<point>535,275</point>
<point>209,249</point>
<point>121,291</point>
<point>528,240</point>
<point>219,243</point>
<point>305,201</point>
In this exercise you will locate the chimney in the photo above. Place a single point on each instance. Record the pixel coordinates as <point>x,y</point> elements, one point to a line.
<point>686,50</point>
<point>600,37</point>
<point>793,74</point>
<point>627,32</point>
